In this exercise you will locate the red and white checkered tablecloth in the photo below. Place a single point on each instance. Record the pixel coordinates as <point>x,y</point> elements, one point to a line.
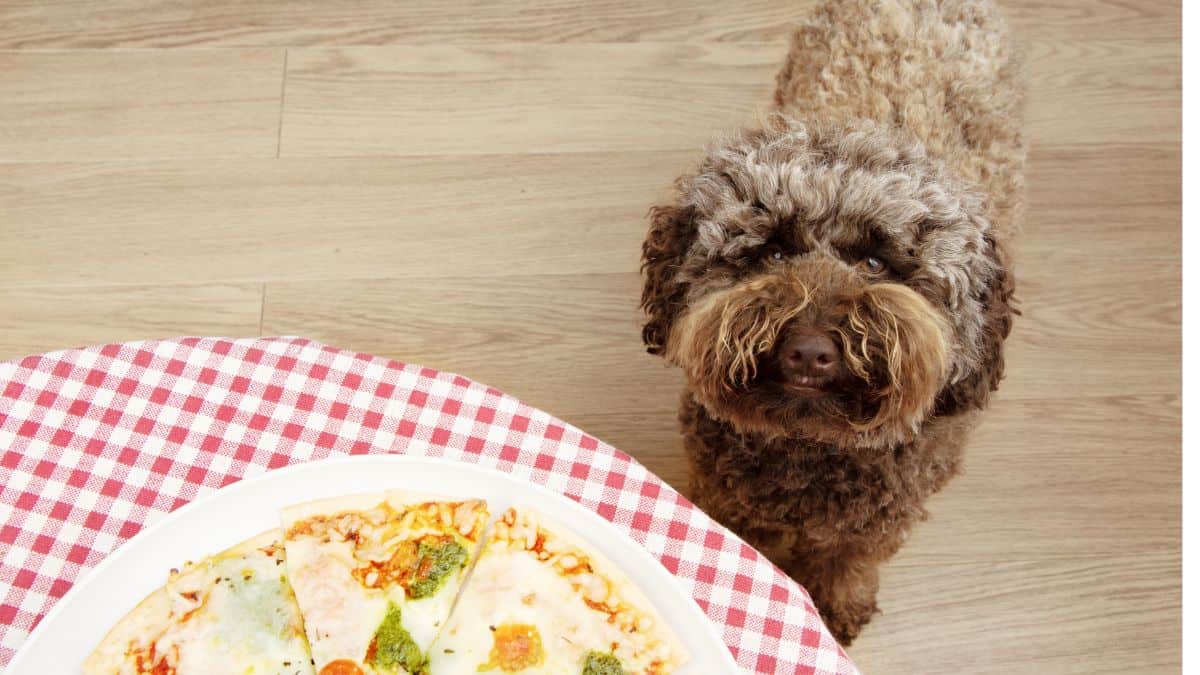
<point>94,443</point>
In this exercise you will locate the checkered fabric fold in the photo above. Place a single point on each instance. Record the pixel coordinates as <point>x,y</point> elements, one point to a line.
<point>97,443</point>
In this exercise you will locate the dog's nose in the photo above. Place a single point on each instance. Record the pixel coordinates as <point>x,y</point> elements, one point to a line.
<point>809,354</point>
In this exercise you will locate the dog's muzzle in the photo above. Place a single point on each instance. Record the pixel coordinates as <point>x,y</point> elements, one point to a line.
<point>875,353</point>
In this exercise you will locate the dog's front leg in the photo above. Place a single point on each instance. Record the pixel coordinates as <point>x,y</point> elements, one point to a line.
<point>843,585</point>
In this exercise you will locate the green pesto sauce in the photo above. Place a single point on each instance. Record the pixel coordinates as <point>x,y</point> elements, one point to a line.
<point>599,663</point>
<point>445,559</point>
<point>394,646</point>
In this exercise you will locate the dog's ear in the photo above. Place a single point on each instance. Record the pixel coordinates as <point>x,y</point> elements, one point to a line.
<point>663,251</point>
<point>997,305</point>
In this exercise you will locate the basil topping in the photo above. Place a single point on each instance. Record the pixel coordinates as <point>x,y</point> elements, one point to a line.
<point>435,563</point>
<point>394,646</point>
<point>599,663</point>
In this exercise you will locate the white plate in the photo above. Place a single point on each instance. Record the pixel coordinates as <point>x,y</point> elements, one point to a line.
<point>75,625</point>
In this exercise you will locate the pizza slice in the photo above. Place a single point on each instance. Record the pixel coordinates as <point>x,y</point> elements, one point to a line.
<point>539,600</point>
<point>231,613</point>
<point>376,575</point>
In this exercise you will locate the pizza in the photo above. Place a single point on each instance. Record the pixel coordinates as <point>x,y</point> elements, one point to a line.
<point>376,575</point>
<point>541,601</point>
<point>231,613</point>
<point>394,583</point>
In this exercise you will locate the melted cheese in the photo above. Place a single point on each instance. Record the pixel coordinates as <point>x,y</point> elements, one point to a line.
<point>248,624</point>
<point>340,617</point>
<point>535,574</point>
<point>509,587</point>
<point>233,613</point>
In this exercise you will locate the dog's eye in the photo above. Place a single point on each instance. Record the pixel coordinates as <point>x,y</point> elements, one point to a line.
<point>874,265</point>
<point>772,252</point>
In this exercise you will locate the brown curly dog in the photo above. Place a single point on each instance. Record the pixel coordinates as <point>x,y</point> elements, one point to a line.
<point>836,287</point>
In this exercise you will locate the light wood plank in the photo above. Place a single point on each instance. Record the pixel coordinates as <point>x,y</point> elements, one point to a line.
<point>658,96</point>
<point>1088,328</point>
<point>442,99</point>
<point>122,105</point>
<point>1115,614</point>
<point>164,222</point>
<point>1108,202</point>
<point>1057,237</point>
<point>39,319</point>
<point>1123,91</point>
<point>306,219</point>
<point>30,24</point>
<point>1094,19</point>
<point>1056,478</point>
<point>1067,178</point>
<point>163,23</point>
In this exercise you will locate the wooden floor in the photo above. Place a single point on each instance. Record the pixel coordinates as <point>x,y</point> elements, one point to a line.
<point>465,187</point>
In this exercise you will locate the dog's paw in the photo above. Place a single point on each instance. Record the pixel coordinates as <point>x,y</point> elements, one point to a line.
<point>845,623</point>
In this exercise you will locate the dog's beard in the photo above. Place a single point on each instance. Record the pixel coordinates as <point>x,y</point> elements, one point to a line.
<point>893,345</point>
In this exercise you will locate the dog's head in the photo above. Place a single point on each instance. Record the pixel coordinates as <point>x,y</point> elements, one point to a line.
<point>834,284</point>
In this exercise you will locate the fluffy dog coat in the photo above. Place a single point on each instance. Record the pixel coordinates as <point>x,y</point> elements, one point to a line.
<point>873,208</point>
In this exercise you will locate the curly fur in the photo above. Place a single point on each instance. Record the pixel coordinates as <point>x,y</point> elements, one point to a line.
<point>897,138</point>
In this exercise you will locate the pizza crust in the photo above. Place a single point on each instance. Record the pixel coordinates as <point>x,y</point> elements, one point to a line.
<point>146,618</point>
